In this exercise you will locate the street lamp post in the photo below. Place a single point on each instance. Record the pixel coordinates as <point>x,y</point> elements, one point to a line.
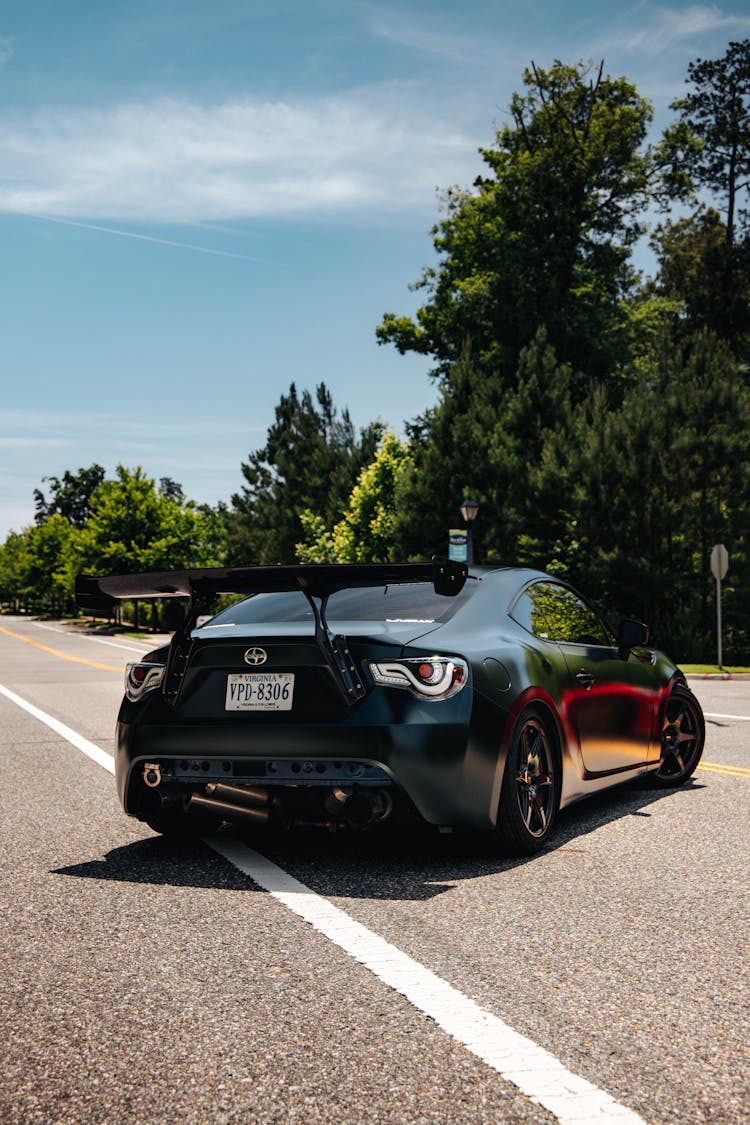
<point>469,510</point>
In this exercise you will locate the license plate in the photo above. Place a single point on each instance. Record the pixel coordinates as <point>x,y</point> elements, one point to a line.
<point>259,691</point>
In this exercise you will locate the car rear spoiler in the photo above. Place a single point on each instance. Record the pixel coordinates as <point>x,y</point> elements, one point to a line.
<point>316,581</point>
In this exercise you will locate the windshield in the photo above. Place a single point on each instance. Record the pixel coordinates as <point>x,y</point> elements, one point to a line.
<point>408,603</point>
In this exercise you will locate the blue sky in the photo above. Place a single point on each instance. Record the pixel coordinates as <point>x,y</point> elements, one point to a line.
<point>203,202</point>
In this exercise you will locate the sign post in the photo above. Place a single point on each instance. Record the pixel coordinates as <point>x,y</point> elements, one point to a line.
<point>719,567</point>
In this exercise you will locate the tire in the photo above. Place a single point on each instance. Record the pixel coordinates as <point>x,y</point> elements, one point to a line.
<point>530,794</point>
<point>682,738</point>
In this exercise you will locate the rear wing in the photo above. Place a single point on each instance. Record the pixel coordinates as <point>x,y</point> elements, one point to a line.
<point>316,581</point>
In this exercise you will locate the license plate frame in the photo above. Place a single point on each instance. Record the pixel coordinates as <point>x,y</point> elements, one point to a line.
<point>259,691</point>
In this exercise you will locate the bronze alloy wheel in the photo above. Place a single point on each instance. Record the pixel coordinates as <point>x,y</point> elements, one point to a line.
<point>682,737</point>
<point>530,796</point>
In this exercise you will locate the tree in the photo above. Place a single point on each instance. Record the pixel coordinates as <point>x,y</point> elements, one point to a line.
<point>215,527</point>
<point>133,527</point>
<point>11,568</point>
<point>49,562</point>
<point>717,111</point>
<point>711,143</point>
<point>69,497</point>
<point>646,490</point>
<point>449,459</point>
<point>171,490</point>
<point>546,238</point>
<point>38,565</point>
<point>487,441</point>
<point>367,532</point>
<point>691,257</point>
<point>311,459</point>
<point>701,470</point>
<point>534,413</point>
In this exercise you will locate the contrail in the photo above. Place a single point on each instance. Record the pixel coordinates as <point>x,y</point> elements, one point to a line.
<point>150,238</point>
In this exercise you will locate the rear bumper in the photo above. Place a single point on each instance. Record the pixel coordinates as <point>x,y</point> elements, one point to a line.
<point>449,770</point>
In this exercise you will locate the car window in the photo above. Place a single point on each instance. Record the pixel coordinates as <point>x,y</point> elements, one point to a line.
<point>413,602</point>
<point>555,613</point>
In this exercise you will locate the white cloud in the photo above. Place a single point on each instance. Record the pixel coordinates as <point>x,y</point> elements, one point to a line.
<point>659,29</point>
<point>175,160</point>
<point>7,48</point>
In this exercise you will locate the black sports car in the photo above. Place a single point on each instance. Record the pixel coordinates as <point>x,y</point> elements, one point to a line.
<point>342,695</point>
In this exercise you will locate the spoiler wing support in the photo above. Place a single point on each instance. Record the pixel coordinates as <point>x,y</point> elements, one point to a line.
<point>181,647</point>
<point>336,654</point>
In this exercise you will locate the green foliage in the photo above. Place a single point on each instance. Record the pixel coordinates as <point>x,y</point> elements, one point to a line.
<point>310,461</point>
<point>711,146</point>
<point>51,556</point>
<point>38,565</point>
<point>171,490</point>
<point>131,526</point>
<point>716,112</point>
<point>449,446</point>
<point>690,256</point>
<point>134,527</point>
<point>647,490</point>
<point>610,444</point>
<point>213,526</point>
<point>535,412</point>
<point>488,442</point>
<point>710,285</point>
<point>651,315</point>
<point>545,239</point>
<point>69,497</point>
<point>317,546</point>
<point>367,531</point>
<point>11,583</point>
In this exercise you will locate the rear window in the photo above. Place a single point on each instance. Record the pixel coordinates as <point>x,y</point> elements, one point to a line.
<point>416,602</point>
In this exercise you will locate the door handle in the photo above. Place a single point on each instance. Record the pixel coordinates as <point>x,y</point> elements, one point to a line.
<point>585,679</point>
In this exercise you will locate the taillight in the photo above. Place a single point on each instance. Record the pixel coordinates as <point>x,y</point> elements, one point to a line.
<point>142,677</point>
<point>432,677</point>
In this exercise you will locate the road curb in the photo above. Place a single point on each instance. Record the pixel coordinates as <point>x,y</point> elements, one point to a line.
<point>717,675</point>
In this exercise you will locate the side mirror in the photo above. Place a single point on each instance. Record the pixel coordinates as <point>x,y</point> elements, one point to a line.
<point>630,635</point>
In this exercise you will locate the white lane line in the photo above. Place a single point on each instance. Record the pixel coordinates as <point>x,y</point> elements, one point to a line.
<point>716,715</point>
<point>93,640</point>
<point>534,1071</point>
<point>88,748</point>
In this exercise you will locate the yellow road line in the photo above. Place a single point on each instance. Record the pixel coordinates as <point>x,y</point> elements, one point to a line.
<point>62,655</point>
<point>729,771</point>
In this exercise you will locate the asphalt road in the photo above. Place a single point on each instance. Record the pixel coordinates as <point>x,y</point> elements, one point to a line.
<point>146,982</point>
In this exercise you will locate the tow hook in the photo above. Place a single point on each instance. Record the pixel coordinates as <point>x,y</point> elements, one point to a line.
<point>152,774</point>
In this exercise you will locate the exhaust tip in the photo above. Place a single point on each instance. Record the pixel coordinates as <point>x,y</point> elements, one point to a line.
<point>227,810</point>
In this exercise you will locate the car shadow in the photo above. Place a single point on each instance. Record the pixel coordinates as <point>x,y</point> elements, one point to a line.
<point>418,863</point>
<point>159,861</point>
<point>399,862</point>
